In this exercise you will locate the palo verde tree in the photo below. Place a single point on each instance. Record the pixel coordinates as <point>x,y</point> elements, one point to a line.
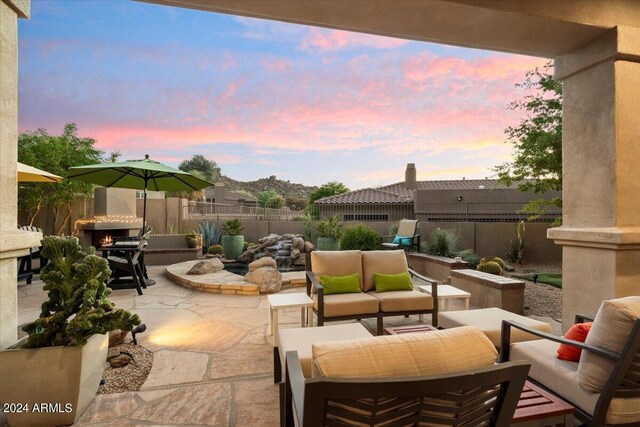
<point>537,140</point>
<point>55,154</point>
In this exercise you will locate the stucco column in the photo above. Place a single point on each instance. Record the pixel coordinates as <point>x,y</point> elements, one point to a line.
<point>601,172</point>
<point>12,242</point>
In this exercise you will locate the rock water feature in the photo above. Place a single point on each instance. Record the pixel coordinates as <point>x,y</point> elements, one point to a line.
<point>288,251</point>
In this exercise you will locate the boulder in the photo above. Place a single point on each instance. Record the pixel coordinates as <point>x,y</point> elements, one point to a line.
<point>120,361</point>
<point>245,257</point>
<point>298,243</point>
<point>268,279</point>
<point>207,266</point>
<point>263,262</point>
<point>295,253</point>
<point>270,240</point>
<point>308,247</point>
<point>117,337</point>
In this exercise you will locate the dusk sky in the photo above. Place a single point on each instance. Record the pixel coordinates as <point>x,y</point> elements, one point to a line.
<point>265,98</point>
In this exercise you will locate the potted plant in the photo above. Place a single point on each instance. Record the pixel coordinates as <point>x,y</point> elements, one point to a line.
<point>329,233</point>
<point>61,362</point>
<point>192,239</point>
<point>233,242</point>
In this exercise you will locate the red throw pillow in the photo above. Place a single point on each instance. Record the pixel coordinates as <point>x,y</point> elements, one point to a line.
<point>577,332</point>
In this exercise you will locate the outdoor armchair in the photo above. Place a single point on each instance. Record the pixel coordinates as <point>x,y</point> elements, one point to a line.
<point>407,236</point>
<point>618,400</point>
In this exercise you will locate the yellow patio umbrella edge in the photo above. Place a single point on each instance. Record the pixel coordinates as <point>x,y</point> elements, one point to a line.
<point>28,173</point>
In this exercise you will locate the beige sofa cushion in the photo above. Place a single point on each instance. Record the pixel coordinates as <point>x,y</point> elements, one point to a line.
<point>406,355</point>
<point>611,329</point>
<point>347,304</point>
<point>560,376</point>
<point>383,262</point>
<point>489,320</point>
<point>394,301</point>
<point>301,340</point>
<point>336,263</point>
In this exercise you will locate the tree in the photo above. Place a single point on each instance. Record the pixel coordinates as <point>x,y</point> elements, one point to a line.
<point>55,154</point>
<point>208,169</point>
<point>270,199</point>
<point>296,203</point>
<point>537,140</point>
<point>329,189</point>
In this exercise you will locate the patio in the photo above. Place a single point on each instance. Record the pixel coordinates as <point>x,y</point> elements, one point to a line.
<point>213,359</point>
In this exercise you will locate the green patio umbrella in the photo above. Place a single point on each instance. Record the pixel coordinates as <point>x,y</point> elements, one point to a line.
<point>143,174</point>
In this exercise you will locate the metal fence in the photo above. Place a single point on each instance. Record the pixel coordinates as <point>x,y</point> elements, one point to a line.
<point>367,212</point>
<point>482,212</point>
<point>218,211</point>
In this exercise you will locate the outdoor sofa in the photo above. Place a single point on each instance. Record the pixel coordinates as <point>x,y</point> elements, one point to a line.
<point>367,303</point>
<point>604,385</point>
<point>447,377</point>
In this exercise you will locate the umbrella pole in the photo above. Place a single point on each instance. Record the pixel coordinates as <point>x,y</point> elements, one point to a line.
<point>144,210</point>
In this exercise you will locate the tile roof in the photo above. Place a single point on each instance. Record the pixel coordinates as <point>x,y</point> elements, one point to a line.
<point>398,193</point>
<point>366,196</point>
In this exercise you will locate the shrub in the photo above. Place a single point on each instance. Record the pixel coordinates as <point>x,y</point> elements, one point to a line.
<point>469,256</point>
<point>77,307</point>
<point>233,227</point>
<point>330,228</point>
<point>443,242</point>
<point>490,267</point>
<point>246,245</point>
<point>215,249</point>
<point>515,252</point>
<point>360,237</point>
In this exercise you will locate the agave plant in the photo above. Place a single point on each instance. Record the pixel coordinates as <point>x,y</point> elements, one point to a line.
<point>443,242</point>
<point>210,234</point>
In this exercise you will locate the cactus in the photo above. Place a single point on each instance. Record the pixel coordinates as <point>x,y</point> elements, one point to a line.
<point>495,259</point>
<point>215,250</point>
<point>490,267</point>
<point>77,307</point>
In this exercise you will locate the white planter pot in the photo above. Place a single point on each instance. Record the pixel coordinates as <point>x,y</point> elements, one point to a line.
<point>59,382</point>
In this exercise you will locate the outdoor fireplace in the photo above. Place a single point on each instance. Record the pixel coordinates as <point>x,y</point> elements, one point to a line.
<point>114,216</point>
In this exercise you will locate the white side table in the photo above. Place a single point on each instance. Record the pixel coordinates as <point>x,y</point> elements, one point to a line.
<point>283,301</point>
<point>447,292</point>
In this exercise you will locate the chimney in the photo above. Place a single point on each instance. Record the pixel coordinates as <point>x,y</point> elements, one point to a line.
<point>410,176</point>
<point>219,191</point>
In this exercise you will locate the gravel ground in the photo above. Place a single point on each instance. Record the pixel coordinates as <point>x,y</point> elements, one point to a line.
<point>130,377</point>
<point>541,299</point>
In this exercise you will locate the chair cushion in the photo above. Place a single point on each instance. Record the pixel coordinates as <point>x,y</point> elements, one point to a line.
<point>406,355</point>
<point>560,376</point>
<point>399,301</point>
<point>336,263</point>
<point>384,262</point>
<point>404,241</point>
<point>577,332</point>
<point>341,284</point>
<point>611,329</point>
<point>301,339</point>
<point>392,282</point>
<point>489,320</point>
<point>347,304</point>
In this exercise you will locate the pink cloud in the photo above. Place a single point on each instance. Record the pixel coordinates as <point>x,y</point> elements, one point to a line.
<point>332,40</point>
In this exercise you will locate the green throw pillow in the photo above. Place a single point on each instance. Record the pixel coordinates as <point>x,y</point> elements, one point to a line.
<point>392,282</point>
<point>341,284</point>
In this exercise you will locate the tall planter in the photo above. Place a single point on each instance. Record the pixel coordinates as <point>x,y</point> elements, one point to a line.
<point>328,244</point>
<point>232,246</point>
<point>65,378</point>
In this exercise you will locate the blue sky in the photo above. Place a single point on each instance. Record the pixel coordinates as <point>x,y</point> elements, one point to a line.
<point>265,98</point>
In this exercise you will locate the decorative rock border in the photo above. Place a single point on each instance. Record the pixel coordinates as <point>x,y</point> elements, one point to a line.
<point>224,282</point>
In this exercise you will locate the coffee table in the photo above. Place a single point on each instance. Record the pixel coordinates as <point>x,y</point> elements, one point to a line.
<point>538,407</point>
<point>412,329</point>
<point>447,292</point>
<point>293,300</point>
